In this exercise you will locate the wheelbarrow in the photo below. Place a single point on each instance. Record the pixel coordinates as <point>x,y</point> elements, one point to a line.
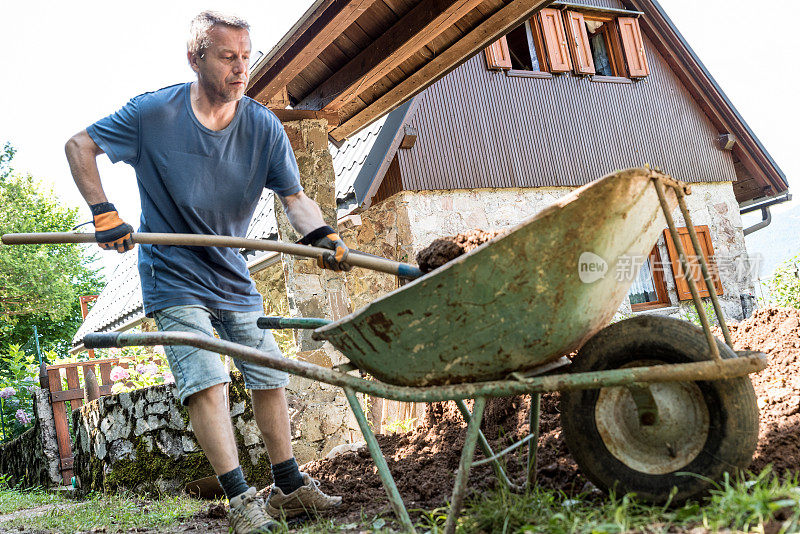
<point>648,404</point>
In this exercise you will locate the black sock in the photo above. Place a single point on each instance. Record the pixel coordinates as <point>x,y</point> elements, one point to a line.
<point>233,483</point>
<point>287,476</point>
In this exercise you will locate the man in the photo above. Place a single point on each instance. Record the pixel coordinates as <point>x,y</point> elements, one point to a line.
<point>202,154</point>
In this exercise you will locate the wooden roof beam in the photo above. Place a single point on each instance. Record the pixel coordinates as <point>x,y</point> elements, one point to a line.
<point>491,29</point>
<point>286,115</point>
<point>417,28</point>
<point>317,37</point>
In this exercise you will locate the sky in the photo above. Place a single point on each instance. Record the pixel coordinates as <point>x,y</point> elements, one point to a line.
<point>68,64</point>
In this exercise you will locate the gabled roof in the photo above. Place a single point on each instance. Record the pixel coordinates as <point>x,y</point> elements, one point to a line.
<point>761,176</point>
<point>348,161</point>
<point>362,160</point>
<point>768,179</point>
<point>120,302</point>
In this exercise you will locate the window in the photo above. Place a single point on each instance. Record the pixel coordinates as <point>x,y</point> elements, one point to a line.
<point>581,39</point>
<point>649,290</point>
<point>524,53</point>
<point>682,286</point>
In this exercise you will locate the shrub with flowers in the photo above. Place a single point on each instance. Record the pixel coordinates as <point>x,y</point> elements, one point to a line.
<point>18,374</point>
<point>146,366</point>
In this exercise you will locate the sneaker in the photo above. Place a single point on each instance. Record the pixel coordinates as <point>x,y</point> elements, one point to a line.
<point>247,516</point>
<point>304,499</point>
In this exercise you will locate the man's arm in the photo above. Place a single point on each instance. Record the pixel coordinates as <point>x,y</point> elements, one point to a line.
<point>303,213</point>
<point>82,154</point>
<point>110,230</point>
<point>306,217</point>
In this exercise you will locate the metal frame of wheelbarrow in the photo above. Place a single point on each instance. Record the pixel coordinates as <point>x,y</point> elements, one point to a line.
<point>635,378</point>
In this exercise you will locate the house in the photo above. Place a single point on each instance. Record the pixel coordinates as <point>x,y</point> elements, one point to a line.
<point>573,93</point>
<point>447,116</point>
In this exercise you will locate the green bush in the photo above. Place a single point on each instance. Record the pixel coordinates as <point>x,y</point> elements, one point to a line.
<point>784,286</point>
<point>17,376</point>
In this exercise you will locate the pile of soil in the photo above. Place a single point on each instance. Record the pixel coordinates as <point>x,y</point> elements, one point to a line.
<point>423,461</point>
<point>776,332</point>
<point>447,249</point>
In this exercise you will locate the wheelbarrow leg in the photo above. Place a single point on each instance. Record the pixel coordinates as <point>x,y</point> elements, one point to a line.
<point>533,428</point>
<point>380,462</point>
<point>460,489</point>
<point>487,449</point>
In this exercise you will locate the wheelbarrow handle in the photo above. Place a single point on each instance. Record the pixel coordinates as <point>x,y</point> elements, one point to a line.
<point>354,258</point>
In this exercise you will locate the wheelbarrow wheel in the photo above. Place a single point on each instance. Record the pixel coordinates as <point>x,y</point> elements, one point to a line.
<point>681,435</point>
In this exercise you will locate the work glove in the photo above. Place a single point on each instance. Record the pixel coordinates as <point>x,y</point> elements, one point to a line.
<point>326,237</point>
<point>110,231</point>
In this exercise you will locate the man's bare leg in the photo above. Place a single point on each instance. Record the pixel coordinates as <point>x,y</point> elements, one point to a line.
<point>272,417</point>
<point>211,423</point>
<point>293,492</point>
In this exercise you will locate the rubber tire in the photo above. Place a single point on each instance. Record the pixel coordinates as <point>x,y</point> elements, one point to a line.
<point>731,403</point>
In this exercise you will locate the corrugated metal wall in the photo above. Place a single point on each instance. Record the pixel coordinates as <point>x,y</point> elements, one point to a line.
<point>481,128</point>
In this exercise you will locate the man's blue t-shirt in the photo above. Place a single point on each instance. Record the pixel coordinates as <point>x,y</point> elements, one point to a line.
<point>195,180</point>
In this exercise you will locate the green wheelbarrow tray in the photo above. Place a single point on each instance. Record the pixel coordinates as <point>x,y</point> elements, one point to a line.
<point>516,302</point>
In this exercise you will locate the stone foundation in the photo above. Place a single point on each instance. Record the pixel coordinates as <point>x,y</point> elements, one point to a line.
<point>31,459</point>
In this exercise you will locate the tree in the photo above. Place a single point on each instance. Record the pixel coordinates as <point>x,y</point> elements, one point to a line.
<point>39,284</point>
<point>784,286</point>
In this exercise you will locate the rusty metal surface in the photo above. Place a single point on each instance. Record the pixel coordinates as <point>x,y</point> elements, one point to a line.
<point>516,302</point>
<point>706,370</point>
<point>668,442</point>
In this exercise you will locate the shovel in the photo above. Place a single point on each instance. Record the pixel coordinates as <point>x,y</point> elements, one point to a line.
<point>354,257</point>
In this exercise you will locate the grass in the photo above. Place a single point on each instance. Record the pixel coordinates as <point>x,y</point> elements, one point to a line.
<point>746,504</point>
<point>117,513</point>
<point>12,500</point>
<point>754,503</point>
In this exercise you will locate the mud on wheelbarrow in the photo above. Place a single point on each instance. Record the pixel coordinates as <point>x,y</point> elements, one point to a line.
<point>649,403</point>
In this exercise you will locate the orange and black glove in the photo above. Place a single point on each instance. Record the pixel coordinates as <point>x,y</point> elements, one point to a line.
<point>110,231</point>
<point>326,237</point>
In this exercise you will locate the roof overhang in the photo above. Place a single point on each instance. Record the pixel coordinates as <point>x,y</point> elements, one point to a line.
<point>360,59</point>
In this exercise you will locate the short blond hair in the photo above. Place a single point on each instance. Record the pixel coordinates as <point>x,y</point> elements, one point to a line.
<point>201,25</point>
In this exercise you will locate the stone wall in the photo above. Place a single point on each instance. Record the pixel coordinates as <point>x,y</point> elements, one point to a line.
<point>31,459</point>
<point>142,441</point>
<point>320,414</point>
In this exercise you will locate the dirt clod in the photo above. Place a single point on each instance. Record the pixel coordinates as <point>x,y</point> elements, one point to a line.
<point>447,249</point>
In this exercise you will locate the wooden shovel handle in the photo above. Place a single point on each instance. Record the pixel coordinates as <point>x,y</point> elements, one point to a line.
<point>354,258</point>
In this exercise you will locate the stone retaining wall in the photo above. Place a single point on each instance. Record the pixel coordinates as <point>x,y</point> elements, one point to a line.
<point>142,441</point>
<point>31,459</point>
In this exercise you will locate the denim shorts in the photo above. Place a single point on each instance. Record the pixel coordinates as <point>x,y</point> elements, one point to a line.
<point>198,369</point>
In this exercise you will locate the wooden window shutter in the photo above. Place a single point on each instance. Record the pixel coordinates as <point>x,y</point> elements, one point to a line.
<point>633,47</point>
<point>707,248</point>
<point>555,40</point>
<point>497,55</point>
<point>579,43</point>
